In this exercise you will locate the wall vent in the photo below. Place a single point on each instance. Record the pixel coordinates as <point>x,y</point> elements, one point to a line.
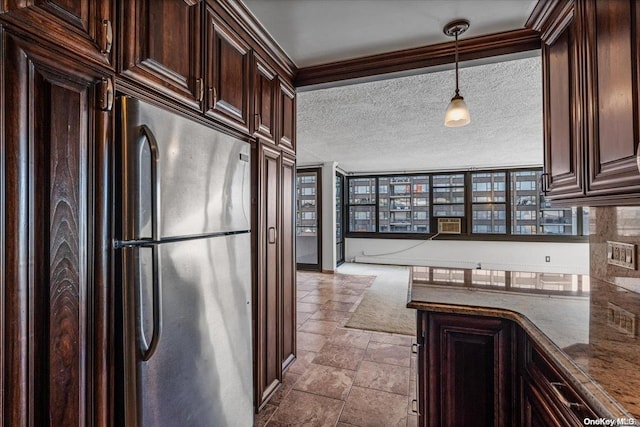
<point>449,225</point>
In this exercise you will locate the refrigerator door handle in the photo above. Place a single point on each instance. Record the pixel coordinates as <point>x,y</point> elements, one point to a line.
<point>146,135</point>
<point>149,137</point>
<point>148,349</point>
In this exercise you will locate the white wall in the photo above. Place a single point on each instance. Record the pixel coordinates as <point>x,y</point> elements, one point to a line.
<point>515,256</point>
<point>329,216</point>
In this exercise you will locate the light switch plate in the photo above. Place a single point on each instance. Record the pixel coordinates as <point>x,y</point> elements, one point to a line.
<point>621,254</point>
<point>621,319</point>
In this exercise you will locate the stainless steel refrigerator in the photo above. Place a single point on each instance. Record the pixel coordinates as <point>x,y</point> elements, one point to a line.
<point>183,271</point>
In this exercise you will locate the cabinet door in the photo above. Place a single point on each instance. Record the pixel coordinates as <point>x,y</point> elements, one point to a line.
<point>563,123</point>
<point>161,48</point>
<point>269,295</point>
<point>612,52</point>
<point>470,373</point>
<point>55,340</point>
<point>264,100</point>
<point>287,117</point>
<point>85,27</point>
<point>287,234</point>
<point>228,73</point>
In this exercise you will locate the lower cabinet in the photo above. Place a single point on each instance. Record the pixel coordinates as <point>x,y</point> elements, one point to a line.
<point>547,396</point>
<point>477,370</point>
<point>465,370</point>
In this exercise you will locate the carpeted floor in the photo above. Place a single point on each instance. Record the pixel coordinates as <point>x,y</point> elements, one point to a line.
<point>383,306</point>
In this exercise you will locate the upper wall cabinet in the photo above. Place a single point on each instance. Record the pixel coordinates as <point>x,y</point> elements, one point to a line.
<point>228,74</point>
<point>563,120</point>
<point>84,27</point>
<point>264,100</point>
<point>161,47</point>
<point>612,61</point>
<point>287,117</point>
<point>591,105</point>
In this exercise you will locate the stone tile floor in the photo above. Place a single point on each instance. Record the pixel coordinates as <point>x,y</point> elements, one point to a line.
<point>342,376</point>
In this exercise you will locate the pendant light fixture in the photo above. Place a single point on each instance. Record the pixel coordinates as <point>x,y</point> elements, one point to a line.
<point>457,112</point>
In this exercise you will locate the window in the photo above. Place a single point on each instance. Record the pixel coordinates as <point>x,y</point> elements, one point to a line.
<point>497,202</point>
<point>488,199</point>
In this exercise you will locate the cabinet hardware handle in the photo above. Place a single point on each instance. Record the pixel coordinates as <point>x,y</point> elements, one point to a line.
<point>107,36</point>
<point>257,121</point>
<point>544,183</point>
<point>556,386</point>
<point>213,96</point>
<point>105,94</point>
<point>199,90</point>
<point>272,235</point>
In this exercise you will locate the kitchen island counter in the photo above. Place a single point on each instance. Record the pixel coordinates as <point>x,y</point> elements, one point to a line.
<point>587,327</point>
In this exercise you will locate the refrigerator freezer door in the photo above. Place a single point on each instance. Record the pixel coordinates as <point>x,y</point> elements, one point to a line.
<point>201,371</point>
<point>202,176</point>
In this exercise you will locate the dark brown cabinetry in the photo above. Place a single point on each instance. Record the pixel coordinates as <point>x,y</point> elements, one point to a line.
<point>477,370</point>
<point>275,299</point>
<point>85,27</point>
<point>287,232</point>
<point>287,117</point>
<point>60,63</point>
<point>161,48</point>
<point>264,100</point>
<point>563,126</point>
<point>611,52</point>
<point>465,370</point>
<point>590,62</point>
<point>55,348</point>
<point>268,300</point>
<point>228,74</point>
<point>547,397</point>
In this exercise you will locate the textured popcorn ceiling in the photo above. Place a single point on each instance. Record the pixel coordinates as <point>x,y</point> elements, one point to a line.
<point>398,124</point>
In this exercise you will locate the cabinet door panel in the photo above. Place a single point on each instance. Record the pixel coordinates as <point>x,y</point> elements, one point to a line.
<point>56,341</point>
<point>228,75</point>
<point>161,48</point>
<point>85,27</point>
<point>562,111</point>
<point>470,379</point>
<point>613,132</point>
<point>269,308</point>
<point>287,118</point>
<point>288,262</point>
<point>264,100</point>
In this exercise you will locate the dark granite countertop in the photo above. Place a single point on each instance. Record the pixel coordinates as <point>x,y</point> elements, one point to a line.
<point>589,327</point>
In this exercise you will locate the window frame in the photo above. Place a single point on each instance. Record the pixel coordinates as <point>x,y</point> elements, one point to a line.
<point>467,219</point>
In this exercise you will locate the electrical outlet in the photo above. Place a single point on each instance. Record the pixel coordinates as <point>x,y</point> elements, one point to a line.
<point>621,254</point>
<point>547,259</point>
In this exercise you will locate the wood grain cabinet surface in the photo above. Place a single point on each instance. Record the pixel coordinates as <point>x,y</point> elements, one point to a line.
<point>287,117</point>
<point>611,50</point>
<point>228,74</point>
<point>265,98</point>
<point>55,350</point>
<point>591,102</point>
<point>465,370</point>
<point>161,48</point>
<point>84,27</point>
<point>287,235</point>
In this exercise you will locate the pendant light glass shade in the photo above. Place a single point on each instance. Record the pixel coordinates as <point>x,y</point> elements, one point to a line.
<point>457,113</point>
